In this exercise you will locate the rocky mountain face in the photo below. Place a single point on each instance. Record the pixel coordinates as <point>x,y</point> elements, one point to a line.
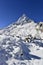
<point>21,43</point>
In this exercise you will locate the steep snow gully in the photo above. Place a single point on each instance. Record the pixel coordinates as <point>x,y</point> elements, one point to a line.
<point>21,43</point>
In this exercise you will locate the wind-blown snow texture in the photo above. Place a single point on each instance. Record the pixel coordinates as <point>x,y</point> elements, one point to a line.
<point>21,43</point>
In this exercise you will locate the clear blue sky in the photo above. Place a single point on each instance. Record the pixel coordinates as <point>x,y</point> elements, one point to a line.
<point>11,10</point>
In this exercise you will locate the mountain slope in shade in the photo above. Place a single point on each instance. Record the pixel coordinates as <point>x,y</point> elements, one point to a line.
<point>21,43</point>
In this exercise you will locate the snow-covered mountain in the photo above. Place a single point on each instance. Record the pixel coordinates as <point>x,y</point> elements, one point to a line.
<point>21,43</point>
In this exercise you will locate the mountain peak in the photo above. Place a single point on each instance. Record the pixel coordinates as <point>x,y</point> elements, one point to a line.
<point>24,15</point>
<point>23,19</point>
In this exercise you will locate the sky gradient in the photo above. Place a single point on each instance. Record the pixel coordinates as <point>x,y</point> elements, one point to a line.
<point>11,10</point>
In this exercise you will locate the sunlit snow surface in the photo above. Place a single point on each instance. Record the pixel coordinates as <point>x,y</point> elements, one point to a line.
<point>10,53</point>
<point>14,50</point>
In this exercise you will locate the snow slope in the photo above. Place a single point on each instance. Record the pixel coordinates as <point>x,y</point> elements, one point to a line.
<point>21,43</point>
